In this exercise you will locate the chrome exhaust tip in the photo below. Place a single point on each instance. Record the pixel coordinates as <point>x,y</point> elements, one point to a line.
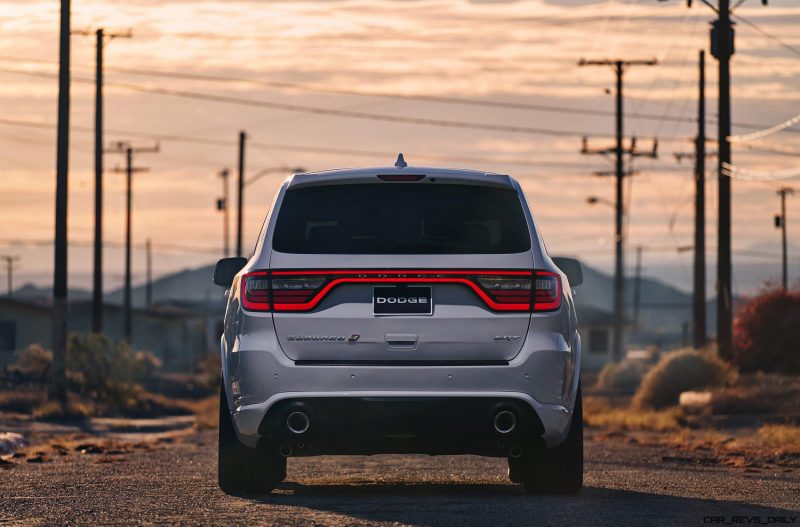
<point>505,421</point>
<point>285,450</point>
<point>298,422</point>
<point>515,451</point>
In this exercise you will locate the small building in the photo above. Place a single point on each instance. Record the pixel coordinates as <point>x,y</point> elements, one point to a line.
<point>596,327</point>
<point>177,335</point>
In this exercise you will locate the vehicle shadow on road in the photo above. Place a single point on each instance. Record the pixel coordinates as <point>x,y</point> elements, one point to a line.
<point>437,505</point>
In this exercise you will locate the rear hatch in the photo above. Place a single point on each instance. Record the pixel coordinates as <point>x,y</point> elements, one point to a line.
<point>404,272</point>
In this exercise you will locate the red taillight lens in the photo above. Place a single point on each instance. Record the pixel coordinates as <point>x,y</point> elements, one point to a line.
<point>255,291</point>
<point>295,290</point>
<point>546,291</point>
<point>512,293</point>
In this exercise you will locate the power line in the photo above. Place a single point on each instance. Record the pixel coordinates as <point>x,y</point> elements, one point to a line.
<point>306,148</point>
<point>389,95</point>
<point>160,247</point>
<point>760,175</point>
<point>767,131</point>
<point>769,35</point>
<point>393,95</point>
<point>316,110</point>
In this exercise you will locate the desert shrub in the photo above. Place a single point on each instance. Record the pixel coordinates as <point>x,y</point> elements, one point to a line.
<point>33,363</point>
<point>678,372</point>
<point>625,375</point>
<point>106,370</point>
<point>766,333</point>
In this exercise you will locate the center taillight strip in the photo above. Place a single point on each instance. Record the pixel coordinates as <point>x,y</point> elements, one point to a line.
<point>398,272</point>
<point>411,276</point>
<point>311,304</point>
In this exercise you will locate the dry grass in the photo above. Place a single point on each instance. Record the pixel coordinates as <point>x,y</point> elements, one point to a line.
<point>600,415</point>
<point>206,412</point>
<point>785,438</point>
<point>74,409</point>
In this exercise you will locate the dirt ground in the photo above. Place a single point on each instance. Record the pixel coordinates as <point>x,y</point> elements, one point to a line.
<point>168,477</point>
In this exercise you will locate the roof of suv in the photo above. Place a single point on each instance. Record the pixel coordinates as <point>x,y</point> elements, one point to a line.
<point>370,175</point>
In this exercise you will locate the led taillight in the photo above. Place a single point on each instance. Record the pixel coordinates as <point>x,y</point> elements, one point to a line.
<point>295,290</point>
<point>513,293</point>
<point>256,291</point>
<point>546,291</point>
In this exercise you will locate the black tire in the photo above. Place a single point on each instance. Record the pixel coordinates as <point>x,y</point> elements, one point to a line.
<point>244,470</point>
<point>557,470</point>
<point>516,469</point>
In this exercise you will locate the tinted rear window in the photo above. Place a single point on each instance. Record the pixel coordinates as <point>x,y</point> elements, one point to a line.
<point>401,218</point>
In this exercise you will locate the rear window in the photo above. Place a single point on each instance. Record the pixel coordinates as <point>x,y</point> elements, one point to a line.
<point>401,218</point>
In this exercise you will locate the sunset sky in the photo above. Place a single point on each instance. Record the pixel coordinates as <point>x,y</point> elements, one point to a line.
<point>307,53</point>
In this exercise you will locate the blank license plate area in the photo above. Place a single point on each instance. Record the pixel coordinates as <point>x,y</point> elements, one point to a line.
<point>402,300</point>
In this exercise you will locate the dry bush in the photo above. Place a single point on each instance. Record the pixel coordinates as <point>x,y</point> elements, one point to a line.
<point>33,363</point>
<point>767,332</point>
<point>759,393</point>
<point>624,376</point>
<point>107,371</point>
<point>98,369</point>
<point>678,372</point>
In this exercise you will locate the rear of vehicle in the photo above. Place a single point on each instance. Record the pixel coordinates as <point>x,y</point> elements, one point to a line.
<point>400,310</point>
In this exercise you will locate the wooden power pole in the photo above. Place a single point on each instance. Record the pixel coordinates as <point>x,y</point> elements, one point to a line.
<point>619,67</point>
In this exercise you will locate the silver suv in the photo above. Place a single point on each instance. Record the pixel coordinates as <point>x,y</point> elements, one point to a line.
<point>400,310</point>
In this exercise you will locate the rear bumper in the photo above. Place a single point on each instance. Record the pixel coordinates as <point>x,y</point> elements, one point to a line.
<point>540,384</point>
<point>380,423</point>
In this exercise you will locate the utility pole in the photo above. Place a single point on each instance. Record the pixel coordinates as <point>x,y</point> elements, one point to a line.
<point>223,204</point>
<point>149,284</point>
<point>240,197</point>
<point>637,287</point>
<point>699,293</point>
<point>722,49</point>
<point>101,38</point>
<point>780,223</point>
<point>619,67</point>
<point>97,277</point>
<point>10,260</point>
<point>128,171</point>
<point>58,377</point>
<point>699,156</point>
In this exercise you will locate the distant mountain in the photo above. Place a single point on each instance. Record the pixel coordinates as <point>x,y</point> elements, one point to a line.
<point>190,286</point>
<point>34,293</point>
<point>663,308</point>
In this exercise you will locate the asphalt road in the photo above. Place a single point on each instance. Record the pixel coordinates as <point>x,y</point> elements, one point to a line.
<point>174,483</point>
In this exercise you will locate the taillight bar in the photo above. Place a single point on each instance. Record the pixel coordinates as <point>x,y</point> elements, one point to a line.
<point>303,290</point>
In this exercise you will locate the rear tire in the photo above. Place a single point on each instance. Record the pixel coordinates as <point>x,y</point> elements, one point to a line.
<point>557,470</point>
<point>244,470</point>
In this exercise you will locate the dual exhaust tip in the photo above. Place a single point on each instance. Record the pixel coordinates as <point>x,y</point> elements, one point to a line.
<point>298,423</point>
<point>504,421</point>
